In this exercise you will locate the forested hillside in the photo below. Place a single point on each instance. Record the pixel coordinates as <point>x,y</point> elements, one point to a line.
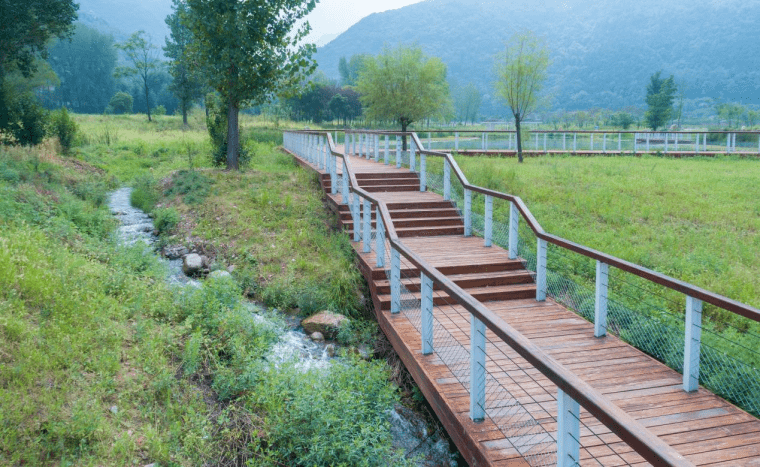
<point>602,53</point>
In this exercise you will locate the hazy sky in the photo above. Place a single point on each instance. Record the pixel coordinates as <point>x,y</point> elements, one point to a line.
<point>335,16</point>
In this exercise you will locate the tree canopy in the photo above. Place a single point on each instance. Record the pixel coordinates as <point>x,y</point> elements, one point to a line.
<point>660,95</point>
<point>521,71</point>
<point>403,85</point>
<point>143,57</point>
<point>85,66</point>
<point>186,84</point>
<point>248,52</point>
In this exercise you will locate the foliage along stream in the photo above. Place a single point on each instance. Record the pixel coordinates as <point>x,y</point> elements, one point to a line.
<point>410,432</point>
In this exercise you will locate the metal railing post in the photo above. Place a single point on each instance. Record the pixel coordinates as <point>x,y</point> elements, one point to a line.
<point>544,143</point>
<point>591,144</point>
<point>379,239</point>
<point>514,221</point>
<point>564,142</point>
<point>377,148</point>
<point>536,142</point>
<point>568,430</point>
<point>620,142</point>
<point>467,212</point>
<point>395,281</point>
<point>456,141</point>
<point>666,142</point>
<point>426,312</point>
<point>423,171</point>
<point>648,135</point>
<point>412,155</point>
<point>477,369</point>
<point>446,179</point>
<point>541,270</point>
<point>604,143</point>
<point>575,142</point>
<point>333,174</point>
<point>357,220</point>
<point>353,143</point>
<point>367,235</point>
<point>387,147</point>
<point>600,302</point>
<point>692,344</point>
<point>398,151</point>
<point>488,221</point>
<point>485,142</point>
<point>344,193</point>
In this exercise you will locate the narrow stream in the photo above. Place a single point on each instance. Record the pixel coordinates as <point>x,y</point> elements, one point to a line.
<point>410,432</point>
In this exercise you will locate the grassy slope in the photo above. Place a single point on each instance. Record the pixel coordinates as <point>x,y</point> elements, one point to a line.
<point>86,326</point>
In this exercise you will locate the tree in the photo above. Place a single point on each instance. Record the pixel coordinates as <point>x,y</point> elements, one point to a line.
<point>660,95</point>
<point>403,85</point>
<point>144,59</point>
<point>85,66</point>
<point>622,119</point>
<point>27,26</point>
<point>247,52</point>
<point>186,85</point>
<point>349,69</point>
<point>120,103</point>
<point>467,102</point>
<point>520,75</point>
<point>730,112</point>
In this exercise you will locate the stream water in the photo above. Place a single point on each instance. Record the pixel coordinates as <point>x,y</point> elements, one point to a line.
<point>410,432</point>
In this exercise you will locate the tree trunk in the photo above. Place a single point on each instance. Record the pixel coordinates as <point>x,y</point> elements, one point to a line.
<point>233,137</point>
<point>147,100</point>
<point>404,124</point>
<point>184,113</point>
<point>519,139</point>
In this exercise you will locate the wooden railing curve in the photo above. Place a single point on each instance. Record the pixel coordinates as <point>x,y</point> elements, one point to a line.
<point>638,437</point>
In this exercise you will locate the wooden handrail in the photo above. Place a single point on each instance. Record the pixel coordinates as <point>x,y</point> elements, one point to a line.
<point>638,437</point>
<point>653,276</point>
<point>658,132</point>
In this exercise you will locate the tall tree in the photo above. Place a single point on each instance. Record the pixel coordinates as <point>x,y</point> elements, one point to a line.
<point>403,85</point>
<point>349,69</point>
<point>25,29</point>
<point>467,101</point>
<point>660,95</point>
<point>186,85</point>
<point>85,66</point>
<point>249,52</point>
<point>520,75</point>
<point>143,57</point>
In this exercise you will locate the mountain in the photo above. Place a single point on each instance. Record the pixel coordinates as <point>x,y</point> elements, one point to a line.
<point>123,17</point>
<point>602,52</point>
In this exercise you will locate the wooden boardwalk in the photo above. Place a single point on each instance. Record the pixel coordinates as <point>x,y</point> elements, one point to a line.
<point>704,428</point>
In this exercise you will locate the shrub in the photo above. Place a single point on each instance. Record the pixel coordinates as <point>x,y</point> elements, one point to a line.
<point>64,127</point>
<point>28,120</point>
<point>166,219</point>
<point>216,122</point>
<point>194,186</point>
<point>159,110</point>
<point>121,103</point>
<point>144,194</point>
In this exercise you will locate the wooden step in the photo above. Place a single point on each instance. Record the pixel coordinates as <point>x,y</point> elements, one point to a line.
<point>394,188</point>
<point>419,205</point>
<point>466,281</point>
<point>406,223</point>
<point>483,267</point>
<point>431,231</point>
<point>482,294</point>
<point>382,175</point>
<point>388,181</point>
<point>420,213</point>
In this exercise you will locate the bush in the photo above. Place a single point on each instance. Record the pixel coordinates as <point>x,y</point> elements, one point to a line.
<point>27,120</point>
<point>144,194</point>
<point>64,127</point>
<point>166,219</point>
<point>159,110</point>
<point>216,122</point>
<point>194,186</point>
<point>121,103</point>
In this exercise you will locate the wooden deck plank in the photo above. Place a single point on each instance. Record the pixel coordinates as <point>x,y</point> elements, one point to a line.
<point>703,427</point>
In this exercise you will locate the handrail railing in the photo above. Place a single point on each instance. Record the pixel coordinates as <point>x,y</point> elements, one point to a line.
<point>645,273</point>
<point>649,446</point>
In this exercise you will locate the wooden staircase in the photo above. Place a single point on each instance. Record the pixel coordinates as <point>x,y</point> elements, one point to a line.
<point>502,280</point>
